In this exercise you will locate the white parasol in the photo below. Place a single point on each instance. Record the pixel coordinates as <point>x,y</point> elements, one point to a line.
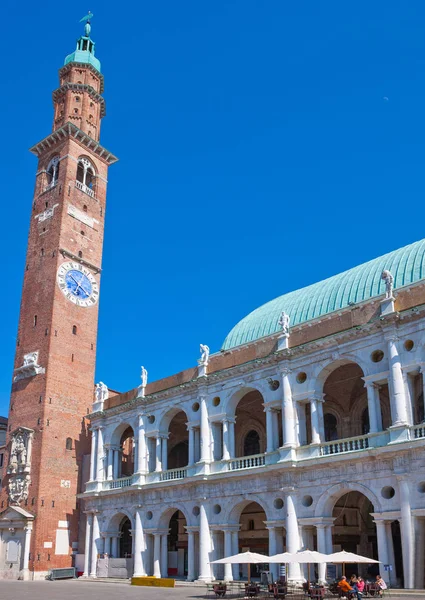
<point>304,557</point>
<point>344,557</point>
<point>248,558</point>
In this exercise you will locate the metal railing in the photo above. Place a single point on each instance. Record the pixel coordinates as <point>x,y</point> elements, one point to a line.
<point>84,188</point>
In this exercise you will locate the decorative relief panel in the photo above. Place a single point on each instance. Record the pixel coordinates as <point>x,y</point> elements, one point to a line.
<point>29,368</point>
<point>19,466</point>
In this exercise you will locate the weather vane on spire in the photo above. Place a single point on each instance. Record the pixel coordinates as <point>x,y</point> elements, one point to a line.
<point>87,19</point>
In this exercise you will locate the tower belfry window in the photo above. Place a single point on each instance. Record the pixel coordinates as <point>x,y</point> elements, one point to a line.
<point>86,173</point>
<point>52,172</point>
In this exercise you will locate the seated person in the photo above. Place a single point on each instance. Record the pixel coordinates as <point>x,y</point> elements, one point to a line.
<point>381,583</point>
<point>344,586</point>
<point>360,585</point>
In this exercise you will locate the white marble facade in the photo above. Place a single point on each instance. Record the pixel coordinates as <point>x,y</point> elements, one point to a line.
<point>339,418</point>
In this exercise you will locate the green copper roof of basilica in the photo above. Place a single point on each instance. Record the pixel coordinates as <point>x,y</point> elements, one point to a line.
<point>407,265</point>
<point>84,52</point>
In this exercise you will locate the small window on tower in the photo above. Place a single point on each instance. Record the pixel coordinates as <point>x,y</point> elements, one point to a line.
<point>90,117</point>
<point>42,252</point>
<point>85,208</point>
<point>68,445</point>
<point>80,254</point>
<point>74,329</point>
<point>76,111</point>
<point>77,98</point>
<point>35,320</point>
<point>91,104</point>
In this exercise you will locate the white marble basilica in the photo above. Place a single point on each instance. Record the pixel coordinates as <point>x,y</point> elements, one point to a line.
<point>305,431</point>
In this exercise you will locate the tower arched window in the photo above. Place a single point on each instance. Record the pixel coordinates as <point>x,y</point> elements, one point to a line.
<point>86,173</point>
<point>52,171</point>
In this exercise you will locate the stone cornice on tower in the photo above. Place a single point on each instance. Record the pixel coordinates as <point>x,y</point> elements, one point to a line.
<point>66,68</point>
<point>81,87</point>
<point>70,130</point>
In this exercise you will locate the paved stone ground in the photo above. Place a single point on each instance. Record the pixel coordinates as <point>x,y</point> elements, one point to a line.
<point>78,590</point>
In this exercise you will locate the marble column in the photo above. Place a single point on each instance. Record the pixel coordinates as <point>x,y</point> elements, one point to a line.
<point>164,452</point>
<point>383,554</point>
<point>228,575</point>
<point>204,545</point>
<point>321,547</point>
<point>190,555</point>
<point>397,391</point>
<point>321,419</point>
<point>269,429</point>
<point>391,555</point>
<point>226,453</point>
<point>315,433</point>
<point>107,545</point>
<point>191,431</point>
<point>115,546</point>
<point>117,457</point>
<point>301,421</point>
<point>288,416</point>
<point>205,430</point>
<point>158,444</point>
<point>406,526</point>
<point>232,449</point>
<point>420,553</point>
<point>235,546</point>
<point>94,543</point>
<point>28,531</point>
<point>141,446</point>
<point>372,406</point>
<point>93,454</point>
<point>139,546</point>
<point>164,555</point>
<point>308,543</point>
<point>292,537</point>
<point>157,555</point>
<point>89,527</point>
<point>274,567</point>
<point>110,466</point>
<point>100,456</point>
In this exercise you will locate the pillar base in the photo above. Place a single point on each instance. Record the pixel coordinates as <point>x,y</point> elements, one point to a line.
<point>283,342</point>
<point>399,433</point>
<point>205,579</point>
<point>287,452</point>
<point>387,306</point>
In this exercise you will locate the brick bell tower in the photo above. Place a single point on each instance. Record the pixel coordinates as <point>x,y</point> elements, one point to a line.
<point>53,378</point>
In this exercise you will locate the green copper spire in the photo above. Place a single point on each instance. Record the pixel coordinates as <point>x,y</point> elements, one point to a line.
<point>84,52</point>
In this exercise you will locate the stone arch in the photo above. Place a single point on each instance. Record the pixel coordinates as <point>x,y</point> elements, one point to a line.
<point>237,396</point>
<point>114,521</point>
<point>167,416</point>
<point>116,434</point>
<point>166,515</point>
<point>325,369</point>
<point>327,500</point>
<point>233,515</point>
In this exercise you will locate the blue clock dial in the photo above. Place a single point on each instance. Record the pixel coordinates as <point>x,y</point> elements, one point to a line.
<point>78,284</point>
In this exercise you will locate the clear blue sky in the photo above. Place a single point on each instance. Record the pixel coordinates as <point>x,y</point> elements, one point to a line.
<point>263,146</point>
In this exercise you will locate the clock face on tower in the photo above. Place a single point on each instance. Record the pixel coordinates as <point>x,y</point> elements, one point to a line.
<point>78,284</point>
